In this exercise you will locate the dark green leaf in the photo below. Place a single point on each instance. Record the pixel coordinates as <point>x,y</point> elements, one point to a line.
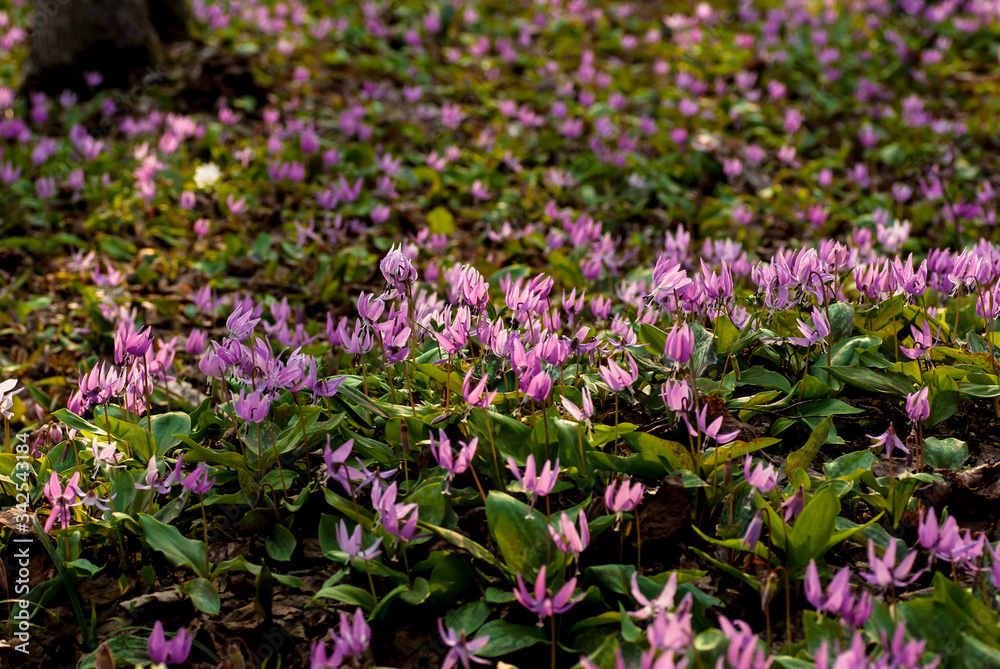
<point>949,453</point>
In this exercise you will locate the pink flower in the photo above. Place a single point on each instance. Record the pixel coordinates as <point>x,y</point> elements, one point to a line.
<point>567,539</point>
<point>543,603</point>
<point>535,484</point>
<point>61,500</point>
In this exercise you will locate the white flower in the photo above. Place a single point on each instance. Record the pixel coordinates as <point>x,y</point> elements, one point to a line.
<point>206,175</point>
<point>7,393</point>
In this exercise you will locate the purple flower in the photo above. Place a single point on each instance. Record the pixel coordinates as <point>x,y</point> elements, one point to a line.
<point>744,651</point>
<point>236,207</point>
<point>197,481</point>
<point>616,377</point>
<point>889,440</point>
<point>211,364</point>
<point>535,484</point>
<point>337,468</point>
<point>92,499</point>
<point>201,227</point>
<point>836,592</point>
<point>253,407</point>
<point>370,307</point>
<point>399,520</point>
<point>680,344</point>
<point>945,541</point>
<point>676,395</point>
<point>885,571</point>
<point>582,413</point>
<point>543,603</point>
<point>154,480</point>
<point>923,342</point>
<point>917,406</point>
<point>351,543</point>
<point>358,342</point>
<point>567,539</point>
<point>752,535</point>
<point>242,321</point>
<point>61,500</point>
<point>175,651</point>
<point>129,342</point>
<point>662,603</point>
<point>709,430</point>
<point>537,385</point>
<point>626,498</point>
<point>460,649</point>
<point>196,342</point>
<point>811,335</point>
<point>395,333</point>
<point>762,478</point>
<point>350,639</point>
<point>478,395</point>
<point>793,505</point>
<point>319,658</point>
<point>398,271</point>
<point>446,458</point>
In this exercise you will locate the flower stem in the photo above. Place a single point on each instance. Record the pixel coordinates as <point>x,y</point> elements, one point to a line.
<point>553,655</point>
<point>204,527</point>
<point>489,431</point>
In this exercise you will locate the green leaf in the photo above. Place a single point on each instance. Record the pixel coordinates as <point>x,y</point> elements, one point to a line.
<point>765,378</point>
<point>505,637</point>
<point>179,550</point>
<point>809,536</point>
<point>846,353</point>
<point>440,221</point>
<point>802,458</point>
<point>450,579</point>
<point>967,612</point>
<point>136,437</point>
<point>850,463</point>
<point>675,453</point>
<point>949,453</point>
<point>740,574</point>
<point>461,541</point>
<point>203,595</point>
<point>726,334</point>
<point>523,540</point>
<point>654,336</point>
<point>716,457</point>
<point>165,426</point>
<point>640,464</point>
<point>845,533</point>
<point>417,594</point>
<point>704,349</point>
<point>735,544</point>
<point>881,382</point>
<point>979,390</point>
<point>943,398</point>
<point>511,437</point>
<point>263,599</point>
<point>841,320</point>
<point>347,594</point>
<point>899,498</point>
<point>630,631</point>
<point>85,566</point>
<point>70,419</point>
<point>469,617</point>
<point>240,564</point>
<point>818,628</point>
<point>281,544</point>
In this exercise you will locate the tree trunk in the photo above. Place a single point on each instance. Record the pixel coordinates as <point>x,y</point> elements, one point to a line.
<point>117,38</point>
<point>170,19</point>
